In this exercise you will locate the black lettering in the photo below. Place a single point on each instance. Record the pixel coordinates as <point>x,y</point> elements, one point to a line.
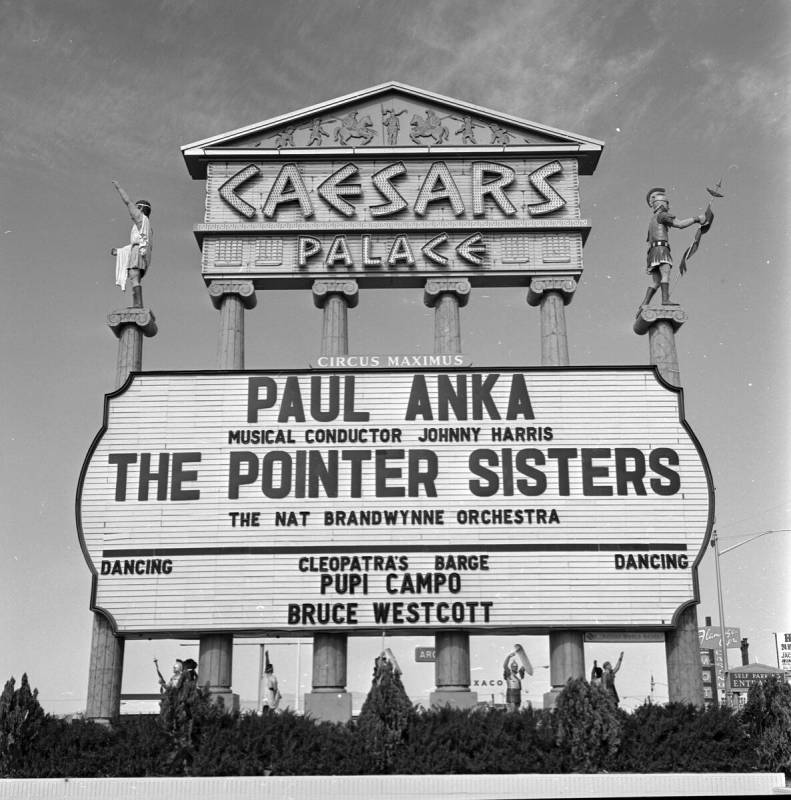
<point>181,475</point>
<point>122,461</point>
<point>147,476</point>
<point>254,401</point>
<point>655,460</point>
<point>236,477</point>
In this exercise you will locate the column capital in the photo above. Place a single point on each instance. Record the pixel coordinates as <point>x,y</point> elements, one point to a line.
<point>243,289</point>
<point>142,317</point>
<point>648,315</point>
<point>322,289</point>
<point>539,286</point>
<point>438,286</point>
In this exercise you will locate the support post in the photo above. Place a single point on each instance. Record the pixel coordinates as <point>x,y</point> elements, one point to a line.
<point>452,667</point>
<point>231,298</point>
<point>682,648</point>
<point>552,295</point>
<point>329,701</point>
<point>446,296</point>
<point>215,668</point>
<point>215,651</point>
<point>106,667</point>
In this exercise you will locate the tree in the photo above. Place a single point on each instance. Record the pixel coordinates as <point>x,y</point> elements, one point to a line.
<point>384,716</point>
<point>21,717</point>
<point>767,716</point>
<point>587,726</point>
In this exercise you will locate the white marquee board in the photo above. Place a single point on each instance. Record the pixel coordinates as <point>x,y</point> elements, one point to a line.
<point>335,500</point>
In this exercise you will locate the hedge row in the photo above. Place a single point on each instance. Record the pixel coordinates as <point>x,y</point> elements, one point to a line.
<point>585,733</point>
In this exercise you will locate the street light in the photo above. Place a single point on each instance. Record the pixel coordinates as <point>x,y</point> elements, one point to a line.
<point>715,543</point>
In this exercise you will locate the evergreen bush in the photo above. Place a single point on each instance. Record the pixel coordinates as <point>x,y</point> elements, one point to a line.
<point>682,738</point>
<point>21,718</point>
<point>584,733</point>
<point>767,718</point>
<point>587,725</point>
<point>384,718</point>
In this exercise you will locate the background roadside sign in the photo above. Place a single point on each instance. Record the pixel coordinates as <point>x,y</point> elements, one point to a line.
<point>425,654</point>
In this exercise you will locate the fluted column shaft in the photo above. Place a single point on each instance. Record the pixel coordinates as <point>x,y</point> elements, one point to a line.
<point>552,295</point>
<point>230,298</point>
<point>106,665</point>
<point>682,646</point>
<point>452,666</point>
<point>329,699</point>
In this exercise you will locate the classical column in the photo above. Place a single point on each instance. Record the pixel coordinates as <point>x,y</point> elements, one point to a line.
<point>552,295</point>
<point>682,648</point>
<point>230,298</point>
<point>446,296</point>
<point>452,666</point>
<point>105,671</point>
<point>329,700</point>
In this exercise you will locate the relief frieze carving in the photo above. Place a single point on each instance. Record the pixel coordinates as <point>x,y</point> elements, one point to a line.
<point>392,123</point>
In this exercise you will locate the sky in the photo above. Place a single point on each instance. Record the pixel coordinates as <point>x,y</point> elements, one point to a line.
<point>682,94</point>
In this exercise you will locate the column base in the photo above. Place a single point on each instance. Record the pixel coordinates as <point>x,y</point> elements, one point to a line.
<point>230,700</point>
<point>453,699</point>
<point>328,706</point>
<point>551,697</point>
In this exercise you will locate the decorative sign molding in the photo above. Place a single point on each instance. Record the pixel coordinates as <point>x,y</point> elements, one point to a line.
<point>391,117</point>
<point>407,501</point>
<point>382,223</point>
<point>391,186</point>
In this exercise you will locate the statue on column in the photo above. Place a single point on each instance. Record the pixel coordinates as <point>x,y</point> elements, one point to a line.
<point>515,666</point>
<point>385,662</point>
<point>608,677</point>
<point>659,261</point>
<point>132,260</point>
<point>271,694</point>
<point>175,679</point>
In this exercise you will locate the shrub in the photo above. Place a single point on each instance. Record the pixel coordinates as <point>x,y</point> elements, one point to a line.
<point>683,738</point>
<point>587,725</point>
<point>449,740</point>
<point>21,718</point>
<point>281,743</point>
<point>186,711</point>
<point>384,717</point>
<point>767,718</point>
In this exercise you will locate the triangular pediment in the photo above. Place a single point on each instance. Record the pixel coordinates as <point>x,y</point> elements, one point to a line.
<point>392,117</point>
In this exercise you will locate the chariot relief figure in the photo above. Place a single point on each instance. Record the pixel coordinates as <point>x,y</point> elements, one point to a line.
<point>659,261</point>
<point>132,260</point>
<point>467,130</point>
<point>316,132</point>
<point>285,138</point>
<point>391,123</point>
<point>430,126</point>
<point>353,128</point>
<point>499,134</point>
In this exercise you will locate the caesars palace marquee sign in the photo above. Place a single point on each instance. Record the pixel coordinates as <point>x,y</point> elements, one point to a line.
<point>392,186</point>
<point>487,499</point>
